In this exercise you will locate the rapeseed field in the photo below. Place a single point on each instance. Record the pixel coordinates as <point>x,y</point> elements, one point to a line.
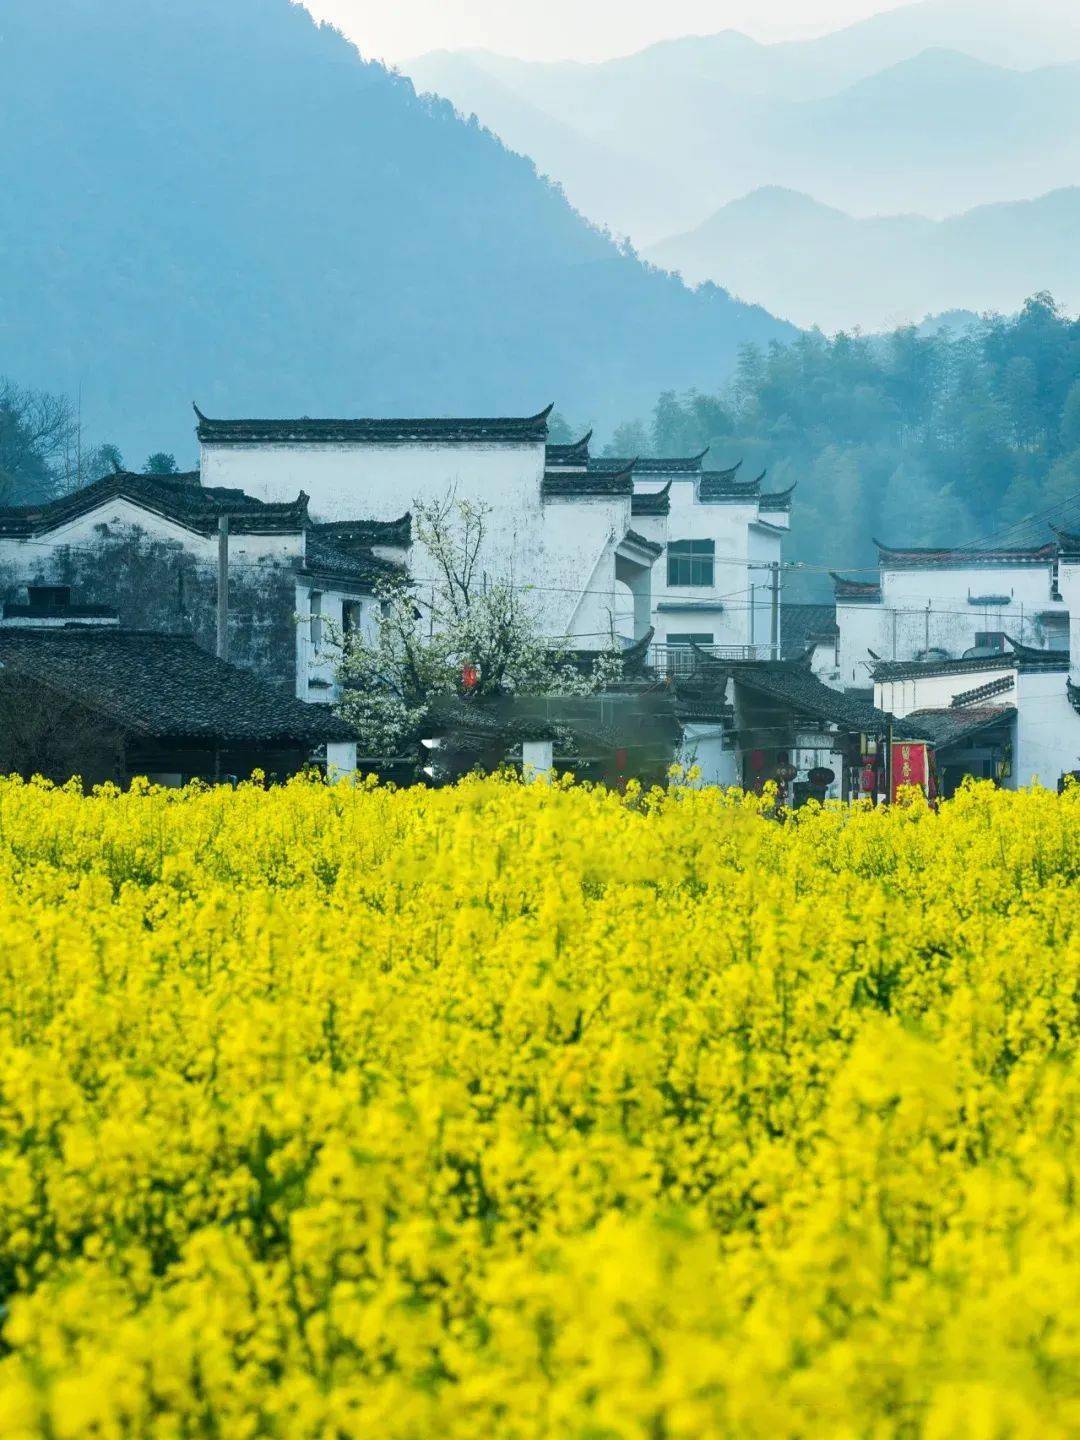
<point>527,1111</point>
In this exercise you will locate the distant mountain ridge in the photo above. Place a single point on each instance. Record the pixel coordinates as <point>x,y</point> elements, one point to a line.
<point>934,107</point>
<point>815,264</point>
<point>225,200</point>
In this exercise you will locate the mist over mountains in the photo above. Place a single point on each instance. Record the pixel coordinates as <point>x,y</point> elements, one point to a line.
<point>928,112</point>
<point>816,265</point>
<point>225,202</point>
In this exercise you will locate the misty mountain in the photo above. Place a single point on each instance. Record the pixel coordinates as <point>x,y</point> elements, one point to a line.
<point>225,202</point>
<point>814,264</point>
<point>910,110</point>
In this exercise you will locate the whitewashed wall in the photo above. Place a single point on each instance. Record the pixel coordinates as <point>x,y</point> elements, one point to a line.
<point>1047,731</point>
<point>120,519</point>
<point>724,608</point>
<point>935,692</point>
<point>933,607</point>
<point>862,627</point>
<point>562,551</point>
<point>1069,585</point>
<point>764,547</point>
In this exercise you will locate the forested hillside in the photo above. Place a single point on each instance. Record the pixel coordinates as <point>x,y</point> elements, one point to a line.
<point>223,201</point>
<point>912,438</point>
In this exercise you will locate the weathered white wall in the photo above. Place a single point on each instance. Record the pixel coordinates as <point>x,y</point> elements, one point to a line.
<point>1047,731</point>
<point>862,627</point>
<point>1069,586</point>
<point>561,551</point>
<point>570,560</point>
<point>823,663</point>
<point>118,518</point>
<point>316,663</point>
<point>722,609</point>
<point>935,692</point>
<point>933,607</point>
<point>929,608</point>
<point>703,748</point>
<point>764,549</point>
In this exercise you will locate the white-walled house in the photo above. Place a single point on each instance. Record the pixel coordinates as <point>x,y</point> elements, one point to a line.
<point>723,548</point>
<point>626,544</point>
<point>146,549</point>
<point>554,526</point>
<point>1006,717</point>
<point>938,604</point>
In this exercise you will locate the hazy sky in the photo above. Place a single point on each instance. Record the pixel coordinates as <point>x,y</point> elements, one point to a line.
<point>580,29</point>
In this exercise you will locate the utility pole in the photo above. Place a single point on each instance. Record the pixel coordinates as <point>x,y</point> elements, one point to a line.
<point>223,588</point>
<point>774,638</point>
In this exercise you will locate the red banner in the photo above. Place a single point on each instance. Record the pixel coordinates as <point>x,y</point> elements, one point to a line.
<point>910,766</point>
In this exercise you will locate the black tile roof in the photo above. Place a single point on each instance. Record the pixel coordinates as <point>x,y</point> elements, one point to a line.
<point>632,537</point>
<point>1020,657</point>
<point>575,454</point>
<point>653,464</point>
<point>156,685</point>
<point>175,497</point>
<point>788,682</point>
<point>845,589</point>
<point>804,625</point>
<point>1068,542</point>
<point>652,502</point>
<point>391,534</point>
<point>942,728</point>
<point>908,558</point>
<point>305,431</point>
<point>572,485</point>
<point>330,561</point>
<point>38,610</point>
<point>777,500</point>
<point>717,486</point>
<point>979,694</point>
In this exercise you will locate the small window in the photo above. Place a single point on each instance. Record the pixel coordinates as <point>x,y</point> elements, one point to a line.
<point>690,562</point>
<point>990,639</point>
<point>315,617</point>
<point>695,637</point>
<point>351,614</point>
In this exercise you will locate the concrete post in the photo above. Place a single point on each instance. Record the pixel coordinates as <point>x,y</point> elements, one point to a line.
<point>340,759</point>
<point>537,759</point>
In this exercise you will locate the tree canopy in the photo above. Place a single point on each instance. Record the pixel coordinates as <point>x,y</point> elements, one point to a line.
<point>914,437</point>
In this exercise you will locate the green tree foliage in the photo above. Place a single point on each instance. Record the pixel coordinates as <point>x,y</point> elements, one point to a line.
<point>160,463</point>
<point>914,438</point>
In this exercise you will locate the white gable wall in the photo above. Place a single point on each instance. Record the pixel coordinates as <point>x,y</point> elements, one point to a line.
<point>1069,586</point>
<point>1047,730</point>
<point>728,526</point>
<point>862,627</point>
<point>931,607</point>
<point>117,519</point>
<point>562,551</point>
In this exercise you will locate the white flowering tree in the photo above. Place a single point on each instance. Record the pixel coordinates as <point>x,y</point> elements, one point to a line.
<point>465,634</point>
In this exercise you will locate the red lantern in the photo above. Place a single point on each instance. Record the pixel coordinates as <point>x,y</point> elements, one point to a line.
<point>757,760</point>
<point>470,677</point>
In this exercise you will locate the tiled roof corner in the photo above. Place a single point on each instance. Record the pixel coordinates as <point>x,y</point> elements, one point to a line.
<point>652,502</point>
<point>846,589</point>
